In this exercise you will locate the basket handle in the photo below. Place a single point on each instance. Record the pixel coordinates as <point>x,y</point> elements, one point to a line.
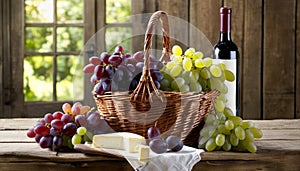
<point>162,16</point>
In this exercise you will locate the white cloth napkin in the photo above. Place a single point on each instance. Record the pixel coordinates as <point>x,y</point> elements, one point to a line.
<point>184,160</point>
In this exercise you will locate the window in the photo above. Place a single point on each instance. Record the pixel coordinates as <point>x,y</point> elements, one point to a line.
<point>42,54</point>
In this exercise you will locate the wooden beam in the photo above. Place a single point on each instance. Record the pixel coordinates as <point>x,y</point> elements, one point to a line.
<point>297,114</point>
<point>279,59</point>
<point>1,57</point>
<point>252,60</point>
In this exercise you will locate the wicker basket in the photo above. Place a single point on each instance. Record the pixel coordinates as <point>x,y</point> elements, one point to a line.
<point>176,113</point>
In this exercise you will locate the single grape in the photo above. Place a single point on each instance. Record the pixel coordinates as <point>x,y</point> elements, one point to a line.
<point>176,50</point>
<point>76,139</point>
<point>115,60</point>
<point>199,63</point>
<point>131,67</point>
<point>95,60</point>
<point>40,122</point>
<point>156,75</point>
<point>193,76</point>
<point>69,129</point>
<point>153,133</point>
<point>57,115</point>
<point>89,68</point>
<point>171,64</point>
<point>207,62</point>
<point>139,56</point>
<point>119,49</point>
<point>189,52</point>
<point>197,55</point>
<point>250,146</point>
<point>81,130</point>
<point>31,133</point>
<point>174,143</point>
<point>57,124</point>
<point>157,84</point>
<point>228,112</point>
<point>227,145</point>
<point>46,142</point>
<point>104,57</point>
<point>131,61</point>
<point>215,71</point>
<point>54,132</point>
<point>81,120</point>
<point>205,74</point>
<point>176,71</point>
<point>249,136</point>
<point>37,138</point>
<point>110,71</point>
<point>220,140</point>
<point>67,108</point>
<point>66,118</point>
<point>257,133</point>
<point>229,125</point>
<point>236,120</point>
<point>187,64</point>
<point>219,105</point>
<point>158,146</point>
<point>42,130</point>
<point>164,84</point>
<point>57,143</point>
<point>240,133</point>
<point>229,75</point>
<point>185,88</point>
<point>233,139</point>
<point>246,124</point>
<point>100,72</point>
<point>85,109</point>
<point>48,118</point>
<point>210,144</point>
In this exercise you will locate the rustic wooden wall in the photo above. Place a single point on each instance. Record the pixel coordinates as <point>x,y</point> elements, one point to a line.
<point>267,34</point>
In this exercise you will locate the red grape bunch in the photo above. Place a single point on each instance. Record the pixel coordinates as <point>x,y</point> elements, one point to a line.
<point>59,131</point>
<point>158,145</point>
<point>120,71</point>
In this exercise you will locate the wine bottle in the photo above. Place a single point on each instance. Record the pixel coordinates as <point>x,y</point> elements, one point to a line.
<point>226,51</point>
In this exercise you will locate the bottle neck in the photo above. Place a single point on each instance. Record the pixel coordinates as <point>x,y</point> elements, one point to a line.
<point>225,24</point>
<point>225,36</point>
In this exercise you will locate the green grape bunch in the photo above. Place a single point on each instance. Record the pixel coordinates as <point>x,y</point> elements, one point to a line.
<point>190,71</point>
<point>224,131</point>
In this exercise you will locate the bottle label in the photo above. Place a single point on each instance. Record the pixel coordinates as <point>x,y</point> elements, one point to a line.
<point>231,94</point>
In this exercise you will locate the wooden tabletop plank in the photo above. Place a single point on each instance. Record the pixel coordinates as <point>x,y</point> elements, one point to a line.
<point>267,150</point>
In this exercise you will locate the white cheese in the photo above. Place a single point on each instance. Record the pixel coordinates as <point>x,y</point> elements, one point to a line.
<point>144,152</point>
<point>120,140</point>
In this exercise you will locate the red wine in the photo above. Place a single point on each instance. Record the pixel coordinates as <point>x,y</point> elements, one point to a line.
<point>227,52</point>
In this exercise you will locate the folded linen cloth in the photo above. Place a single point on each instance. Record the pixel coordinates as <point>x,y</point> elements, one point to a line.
<point>183,160</point>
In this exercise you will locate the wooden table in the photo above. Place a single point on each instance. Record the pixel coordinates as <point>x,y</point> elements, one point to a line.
<point>279,149</point>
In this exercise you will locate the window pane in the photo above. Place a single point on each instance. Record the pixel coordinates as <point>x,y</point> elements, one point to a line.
<point>38,39</point>
<point>39,11</point>
<point>118,36</point>
<point>38,74</point>
<point>118,11</point>
<point>69,11</point>
<point>69,39</point>
<point>69,68</point>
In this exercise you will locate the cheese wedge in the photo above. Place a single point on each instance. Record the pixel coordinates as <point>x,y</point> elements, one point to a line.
<point>119,140</point>
<point>144,152</point>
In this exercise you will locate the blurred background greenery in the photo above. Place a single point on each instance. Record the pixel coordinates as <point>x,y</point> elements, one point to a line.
<point>54,38</point>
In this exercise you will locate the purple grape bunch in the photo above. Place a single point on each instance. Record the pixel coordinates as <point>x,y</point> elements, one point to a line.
<point>56,130</point>
<point>120,71</point>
